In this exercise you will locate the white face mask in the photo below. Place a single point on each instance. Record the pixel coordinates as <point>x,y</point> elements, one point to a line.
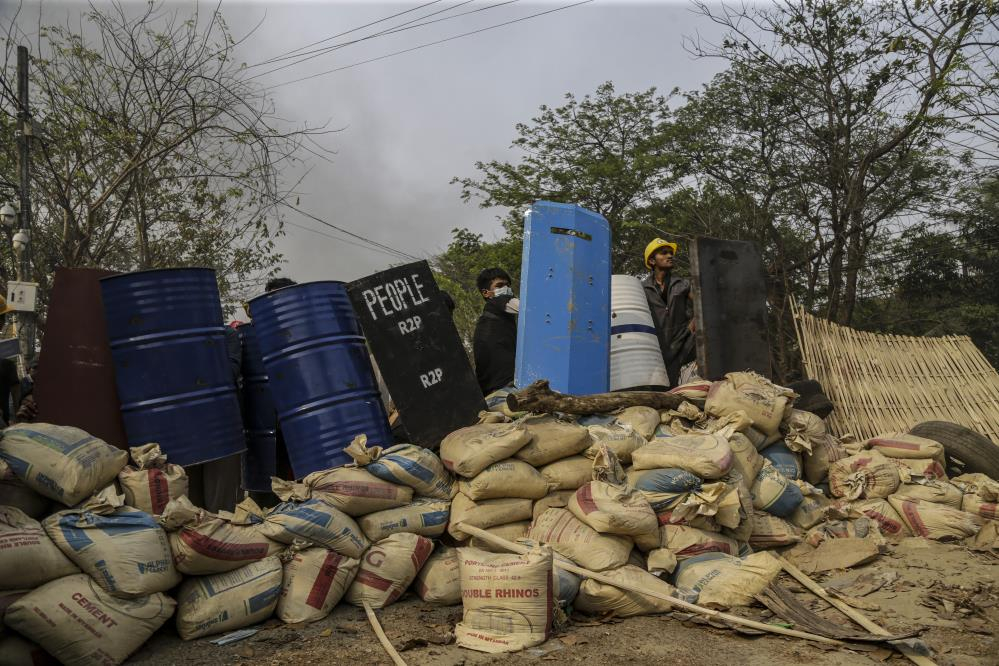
<point>503,291</point>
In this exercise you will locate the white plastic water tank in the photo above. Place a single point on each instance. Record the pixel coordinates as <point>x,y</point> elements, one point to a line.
<point>635,356</point>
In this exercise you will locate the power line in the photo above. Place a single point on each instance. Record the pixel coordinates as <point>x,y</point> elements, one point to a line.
<point>341,240</point>
<point>389,248</point>
<point>429,44</point>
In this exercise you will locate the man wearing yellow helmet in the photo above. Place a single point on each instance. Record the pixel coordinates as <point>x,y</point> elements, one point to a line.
<point>671,306</point>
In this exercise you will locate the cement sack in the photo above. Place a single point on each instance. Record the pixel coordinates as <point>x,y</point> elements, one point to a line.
<point>775,493</point>
<point>507,599</point>
<point>597,598</point>
<point>707,456</point>
<point>388,568</point>
<point>551,439</point>
<point>569,536</point>
<point>825,451</point>
<point>888,520</point>
<point>786,461</point>
<point>804,432</point>
<point>938,492</point>
<point>317,522</point>
<point>723,581</point>
<point>644,420</point>
<point>468,451</point>
<point>744,529</point>
<point>979,484</point>
<point>78,623</point>
<point>28,557</point>
<point>215,604</point>
<point>425,516</point>
<point>859,528</point>
<point>904,445</point>
<point>569,473</point>
<point>312,583</point>
<point>812,509</point>
<point>613,509</point>
<point>486,514</point>
<point>439,581</point>
<point>507,478</point>
<point>13,492</point>
<point>685,542</point>
<point>974,504</point>
<point>693,390</point>
<point>772,532</point>
<point>152,481</point>
<point>918,469</point>
<point>764,402</point>
<point>353,490</point>
<point>936,521</point>
<point>203,543</point>
<point>665,480</point>
<point>623,440</point>
<point>713,506</point>
<point>558,499</point>
<point>16,651</point>
<point>8,597</point>
<point>405,465</point>
<point>746,460</point>
<point>868,474</point>
<point>509,531</point>
<point>125,550</point>
<point>62,463</point>
<point>496,402</point>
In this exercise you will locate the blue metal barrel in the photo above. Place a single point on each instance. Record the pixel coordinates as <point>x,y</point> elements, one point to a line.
<point>259,416</point>
<point>319,373</point>
<point>175,382</point>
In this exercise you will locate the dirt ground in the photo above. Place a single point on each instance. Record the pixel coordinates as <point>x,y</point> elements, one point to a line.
<point>952,592</point>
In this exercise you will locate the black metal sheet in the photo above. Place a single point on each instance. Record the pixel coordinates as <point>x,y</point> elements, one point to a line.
<point>730,307</point>
<point>75,382</point>
<point>413,339</point>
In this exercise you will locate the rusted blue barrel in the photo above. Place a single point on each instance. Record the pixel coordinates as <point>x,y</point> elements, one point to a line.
<point>259,416</point>
<point>319,373</point>
<point>175,383</point>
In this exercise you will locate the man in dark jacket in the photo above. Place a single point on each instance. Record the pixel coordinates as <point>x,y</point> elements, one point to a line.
<point>672,309</point>
<point>494,343</point>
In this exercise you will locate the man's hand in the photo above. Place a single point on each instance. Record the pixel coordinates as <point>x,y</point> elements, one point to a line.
<point>692,326</point>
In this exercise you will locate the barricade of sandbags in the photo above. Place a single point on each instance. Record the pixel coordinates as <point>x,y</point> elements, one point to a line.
<point>613,509</point>
<point>60,462</point>
<point>723,581</point>
<point>353,490</point>
<point>425,516</point>
<point>313,581</point>
<point>151,482</point>
<point>28,557</point>
<point>644,420</point>
<point>598,598</point>
<point>506,478</point>
<point>858,528</point>
<point>707,456</point>
<point>487,513</point>
<point>315,521</point>
<point>905,446</point>
<point>470,450</point>
<point>775,493</point>
<point>508,531</point>
<point>620,438</point>
<point>935,521</point>
<point>569,473</point>
<point>884,514</point>
<point>765,403</point>
<point>387,568</point>
<point>772,532</point>
<point>551,439</point>
<point>439,580</point>
<point>864,475</point>
<point>938,492</point>
<point>223,602</point>
<point>579,542</point>
<point>405,465</point>
<point>784,460</point>
<point>14,492</point>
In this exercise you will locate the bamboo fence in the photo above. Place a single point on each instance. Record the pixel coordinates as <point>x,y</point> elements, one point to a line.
<point>889,383</point>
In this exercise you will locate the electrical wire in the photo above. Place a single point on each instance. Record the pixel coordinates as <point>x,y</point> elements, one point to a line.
<point>373,243</point>
<point>341,240</point>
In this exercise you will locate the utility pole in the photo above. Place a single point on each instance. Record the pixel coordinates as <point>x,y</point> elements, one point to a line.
<point>25,320</point>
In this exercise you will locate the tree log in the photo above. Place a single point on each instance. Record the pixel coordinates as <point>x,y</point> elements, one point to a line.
<point>538,397</point>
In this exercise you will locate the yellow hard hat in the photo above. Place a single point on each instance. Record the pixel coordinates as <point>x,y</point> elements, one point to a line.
<point>656,245</point>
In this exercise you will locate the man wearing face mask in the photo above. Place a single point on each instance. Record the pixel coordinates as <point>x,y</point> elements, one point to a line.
<point>671,304</point>
<point>494,343</point>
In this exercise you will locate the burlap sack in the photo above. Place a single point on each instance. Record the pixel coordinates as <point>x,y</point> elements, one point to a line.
<point>485,514</point>
<point>859,528</point>
<point>388,568</point>
<point>439,581</point>
<point>684,542</point>
<point>317,522</point>
<point>746,460</point>
<point>904,445</point>
<point>13,492</point>
<point>936,521</point>
<point>805,432</point>
<point>576,540</point>
<point>507,599</point>
<point>723,581</point>
<point>509,531</point>
<point>825,451</point>
<point>203,543</point>
<point>507,478</point>
<point>812,509</point>
<point>405,465</point>
<point>868,474</point>
<point>974,504</point>
<point>470,450</point>
<point>775,493</point>
<point>597,598</point>
<point>643,420</point>
<point>622,439</point>
<point>881,511</point>
<point>707,456</point>
<point>152,482</point>
<point>693,390</point>
<point>938,492</point>
<point>551,439</point>
<point>786,461</point>
<point>558,499</point>
<point>665,480</point>
<point>978,484</point>
<point>569,473</point>
<point>612,509</point>
<point>123,549</point>
<point>79,623</point>
<point>919,469</point>
<point>62,463</point>
<point>223,602</point>
<point>28,558</point>
<point>424,516</point>
<point>772,532</point>
<point>763,401</point>
<point>353,490</point>
<point>312,583</point>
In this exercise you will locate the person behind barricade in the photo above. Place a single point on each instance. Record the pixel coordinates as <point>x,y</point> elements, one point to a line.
<point>671,305</point>
<point>494,343</point>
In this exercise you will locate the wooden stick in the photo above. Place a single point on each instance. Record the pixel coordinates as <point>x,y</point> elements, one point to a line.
<point>679,603</point>
<point>852,613</point>
<point>382,638</point>
<point>538,397</point>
